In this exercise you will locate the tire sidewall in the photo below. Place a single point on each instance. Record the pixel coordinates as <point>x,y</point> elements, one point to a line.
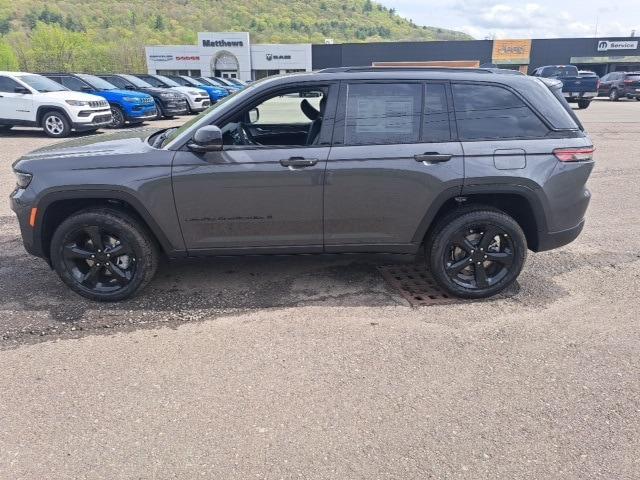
<point>117,112</point>
<point>436,251</point>
<point>125,230</point>
<point>65,122</point>
<point>613,95</point>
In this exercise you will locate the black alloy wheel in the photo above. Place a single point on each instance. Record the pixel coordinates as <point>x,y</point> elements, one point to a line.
<point>104,254</point>
<point>99,260</point>
<point>478,257</point>
<point>117,117</point>
<point>476,252</point>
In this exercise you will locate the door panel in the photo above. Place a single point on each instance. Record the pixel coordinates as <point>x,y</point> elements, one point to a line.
<point>378,196</point>
<point>279,134</point>
<point>245,198</point>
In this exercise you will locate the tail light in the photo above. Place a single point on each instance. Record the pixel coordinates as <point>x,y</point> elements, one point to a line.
<point>628,81</point>
<point>584,154</point>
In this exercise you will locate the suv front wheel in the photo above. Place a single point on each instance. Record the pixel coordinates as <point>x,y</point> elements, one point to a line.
<point>476,253</point>
<point>103,255</point>
<point>56,125</point>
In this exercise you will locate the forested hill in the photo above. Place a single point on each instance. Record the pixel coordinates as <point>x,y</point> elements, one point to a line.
<point>93,35</point>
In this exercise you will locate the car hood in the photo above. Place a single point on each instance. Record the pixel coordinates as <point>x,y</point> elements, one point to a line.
<point>71,95</point>
<point>97,145</point>
<point>186,90</point>
<point>122,93</point>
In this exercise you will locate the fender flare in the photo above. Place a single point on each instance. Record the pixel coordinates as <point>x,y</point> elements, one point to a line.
<point>50,197</point>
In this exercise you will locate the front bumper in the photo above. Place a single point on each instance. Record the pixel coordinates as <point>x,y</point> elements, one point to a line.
<point>174,107</point>
<point>140,113</point>
<point>97,121</point>
<point>22,209</point>
<point>198,104</point>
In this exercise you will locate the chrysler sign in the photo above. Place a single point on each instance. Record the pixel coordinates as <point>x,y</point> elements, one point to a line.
<point>604,45</point>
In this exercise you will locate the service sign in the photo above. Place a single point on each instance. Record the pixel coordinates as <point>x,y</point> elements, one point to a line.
<point>511,51</point>
<point>604,45</point>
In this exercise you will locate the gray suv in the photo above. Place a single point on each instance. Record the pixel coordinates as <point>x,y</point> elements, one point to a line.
<point>471,167</point>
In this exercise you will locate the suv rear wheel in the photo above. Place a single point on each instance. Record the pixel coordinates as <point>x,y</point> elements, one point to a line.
<point>614,96</point>
<point>56,125</point>
<point>476,253</point>
<point>103,254</point>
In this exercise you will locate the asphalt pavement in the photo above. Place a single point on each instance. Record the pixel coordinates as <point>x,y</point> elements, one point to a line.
<point>313,368</point>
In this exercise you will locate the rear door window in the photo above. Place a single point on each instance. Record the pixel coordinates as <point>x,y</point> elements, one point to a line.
<point>493,112</point>
<point>436,125</point>
<point>383,113</point>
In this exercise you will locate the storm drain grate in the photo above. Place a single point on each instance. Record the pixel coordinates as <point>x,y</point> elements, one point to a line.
<point>415,284</point>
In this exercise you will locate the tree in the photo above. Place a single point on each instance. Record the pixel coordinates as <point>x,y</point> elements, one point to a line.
<point>8,60</point>
<point>54,48</point>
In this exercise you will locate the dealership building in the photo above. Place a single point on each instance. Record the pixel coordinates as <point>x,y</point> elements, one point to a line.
<point>231,54</point>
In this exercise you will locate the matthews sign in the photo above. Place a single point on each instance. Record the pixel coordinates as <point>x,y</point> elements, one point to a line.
<point>605,45</point>
<point>222,43</point>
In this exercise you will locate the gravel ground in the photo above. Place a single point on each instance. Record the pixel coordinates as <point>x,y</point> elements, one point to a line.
<point>304,367</point>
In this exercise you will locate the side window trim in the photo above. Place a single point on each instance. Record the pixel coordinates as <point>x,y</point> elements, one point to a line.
<point>505,87</point>
<point>327,127</point>
<point>450,111</point>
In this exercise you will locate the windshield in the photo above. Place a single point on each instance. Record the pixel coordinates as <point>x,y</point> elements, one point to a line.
<point>97,82</point>
<point>191,81</point>
<point>168,81</point>
<point>235,81</point>
<point>225,82</point>
<point>136,81</point>
<point>42,84</point>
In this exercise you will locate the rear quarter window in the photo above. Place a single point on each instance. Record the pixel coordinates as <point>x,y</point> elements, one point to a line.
<point>493,112</point>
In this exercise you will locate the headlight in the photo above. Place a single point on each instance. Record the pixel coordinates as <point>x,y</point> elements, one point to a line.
<point>196,92</point>
<point>77,103</point>
<point>23,179</point>
<point>169,95</point>
<point>131,99</point>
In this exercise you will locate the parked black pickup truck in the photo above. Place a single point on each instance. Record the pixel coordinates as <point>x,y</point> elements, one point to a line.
<point>575,87</point>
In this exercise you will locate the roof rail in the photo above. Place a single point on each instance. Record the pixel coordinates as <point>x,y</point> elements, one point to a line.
<point>405,69</point>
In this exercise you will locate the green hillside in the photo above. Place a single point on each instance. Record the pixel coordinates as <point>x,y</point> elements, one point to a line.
<point>104,35</point>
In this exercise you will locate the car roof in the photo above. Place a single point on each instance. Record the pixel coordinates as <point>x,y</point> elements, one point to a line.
<point>403,74</point>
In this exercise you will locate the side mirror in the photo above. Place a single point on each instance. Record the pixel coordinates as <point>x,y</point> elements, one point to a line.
<point>254,115</point>
<point>22,90</point>
<point>130,87</point>
<point>86,89</point>
<point>206,139</point>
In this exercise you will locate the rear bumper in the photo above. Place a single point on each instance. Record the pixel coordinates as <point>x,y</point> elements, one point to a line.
<point>579,95</point>
<point>551,240</point>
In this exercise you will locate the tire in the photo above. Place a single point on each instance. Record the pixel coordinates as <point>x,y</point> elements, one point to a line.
<point>583,104</point>
<point>118,117</point>
<point>614,96</point>
<point>56,124</point>
<point>457,265</point>
<point>159,114</point>
<point>101,278</point>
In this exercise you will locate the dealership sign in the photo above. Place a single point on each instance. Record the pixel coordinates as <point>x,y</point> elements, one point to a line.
<point>161,58</point>
<point>222,43</point>
<point>193,58</point>
<point>278,57</point>
<point>604,45</point>
<point>515,52</point>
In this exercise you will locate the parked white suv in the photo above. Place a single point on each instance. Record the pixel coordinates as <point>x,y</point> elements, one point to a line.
<point>32,100</point>
<point>197,98</point>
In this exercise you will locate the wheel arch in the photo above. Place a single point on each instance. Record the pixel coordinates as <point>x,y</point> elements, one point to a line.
<point>57,206</point>
<point>519,202</point>
<point>43,109</point>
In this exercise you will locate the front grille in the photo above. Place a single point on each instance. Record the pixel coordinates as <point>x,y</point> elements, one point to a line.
<point>98,104</point>
<point>147,100</point>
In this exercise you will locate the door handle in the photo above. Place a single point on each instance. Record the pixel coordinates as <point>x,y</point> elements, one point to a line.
<point>430,158</point>
<point>298,162</point>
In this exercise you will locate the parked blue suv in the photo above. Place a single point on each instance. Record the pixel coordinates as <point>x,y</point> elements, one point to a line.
<point>215,93</point>
<point>126,105</point>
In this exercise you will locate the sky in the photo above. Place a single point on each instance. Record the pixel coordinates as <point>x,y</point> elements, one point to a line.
<point>512,19</point>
